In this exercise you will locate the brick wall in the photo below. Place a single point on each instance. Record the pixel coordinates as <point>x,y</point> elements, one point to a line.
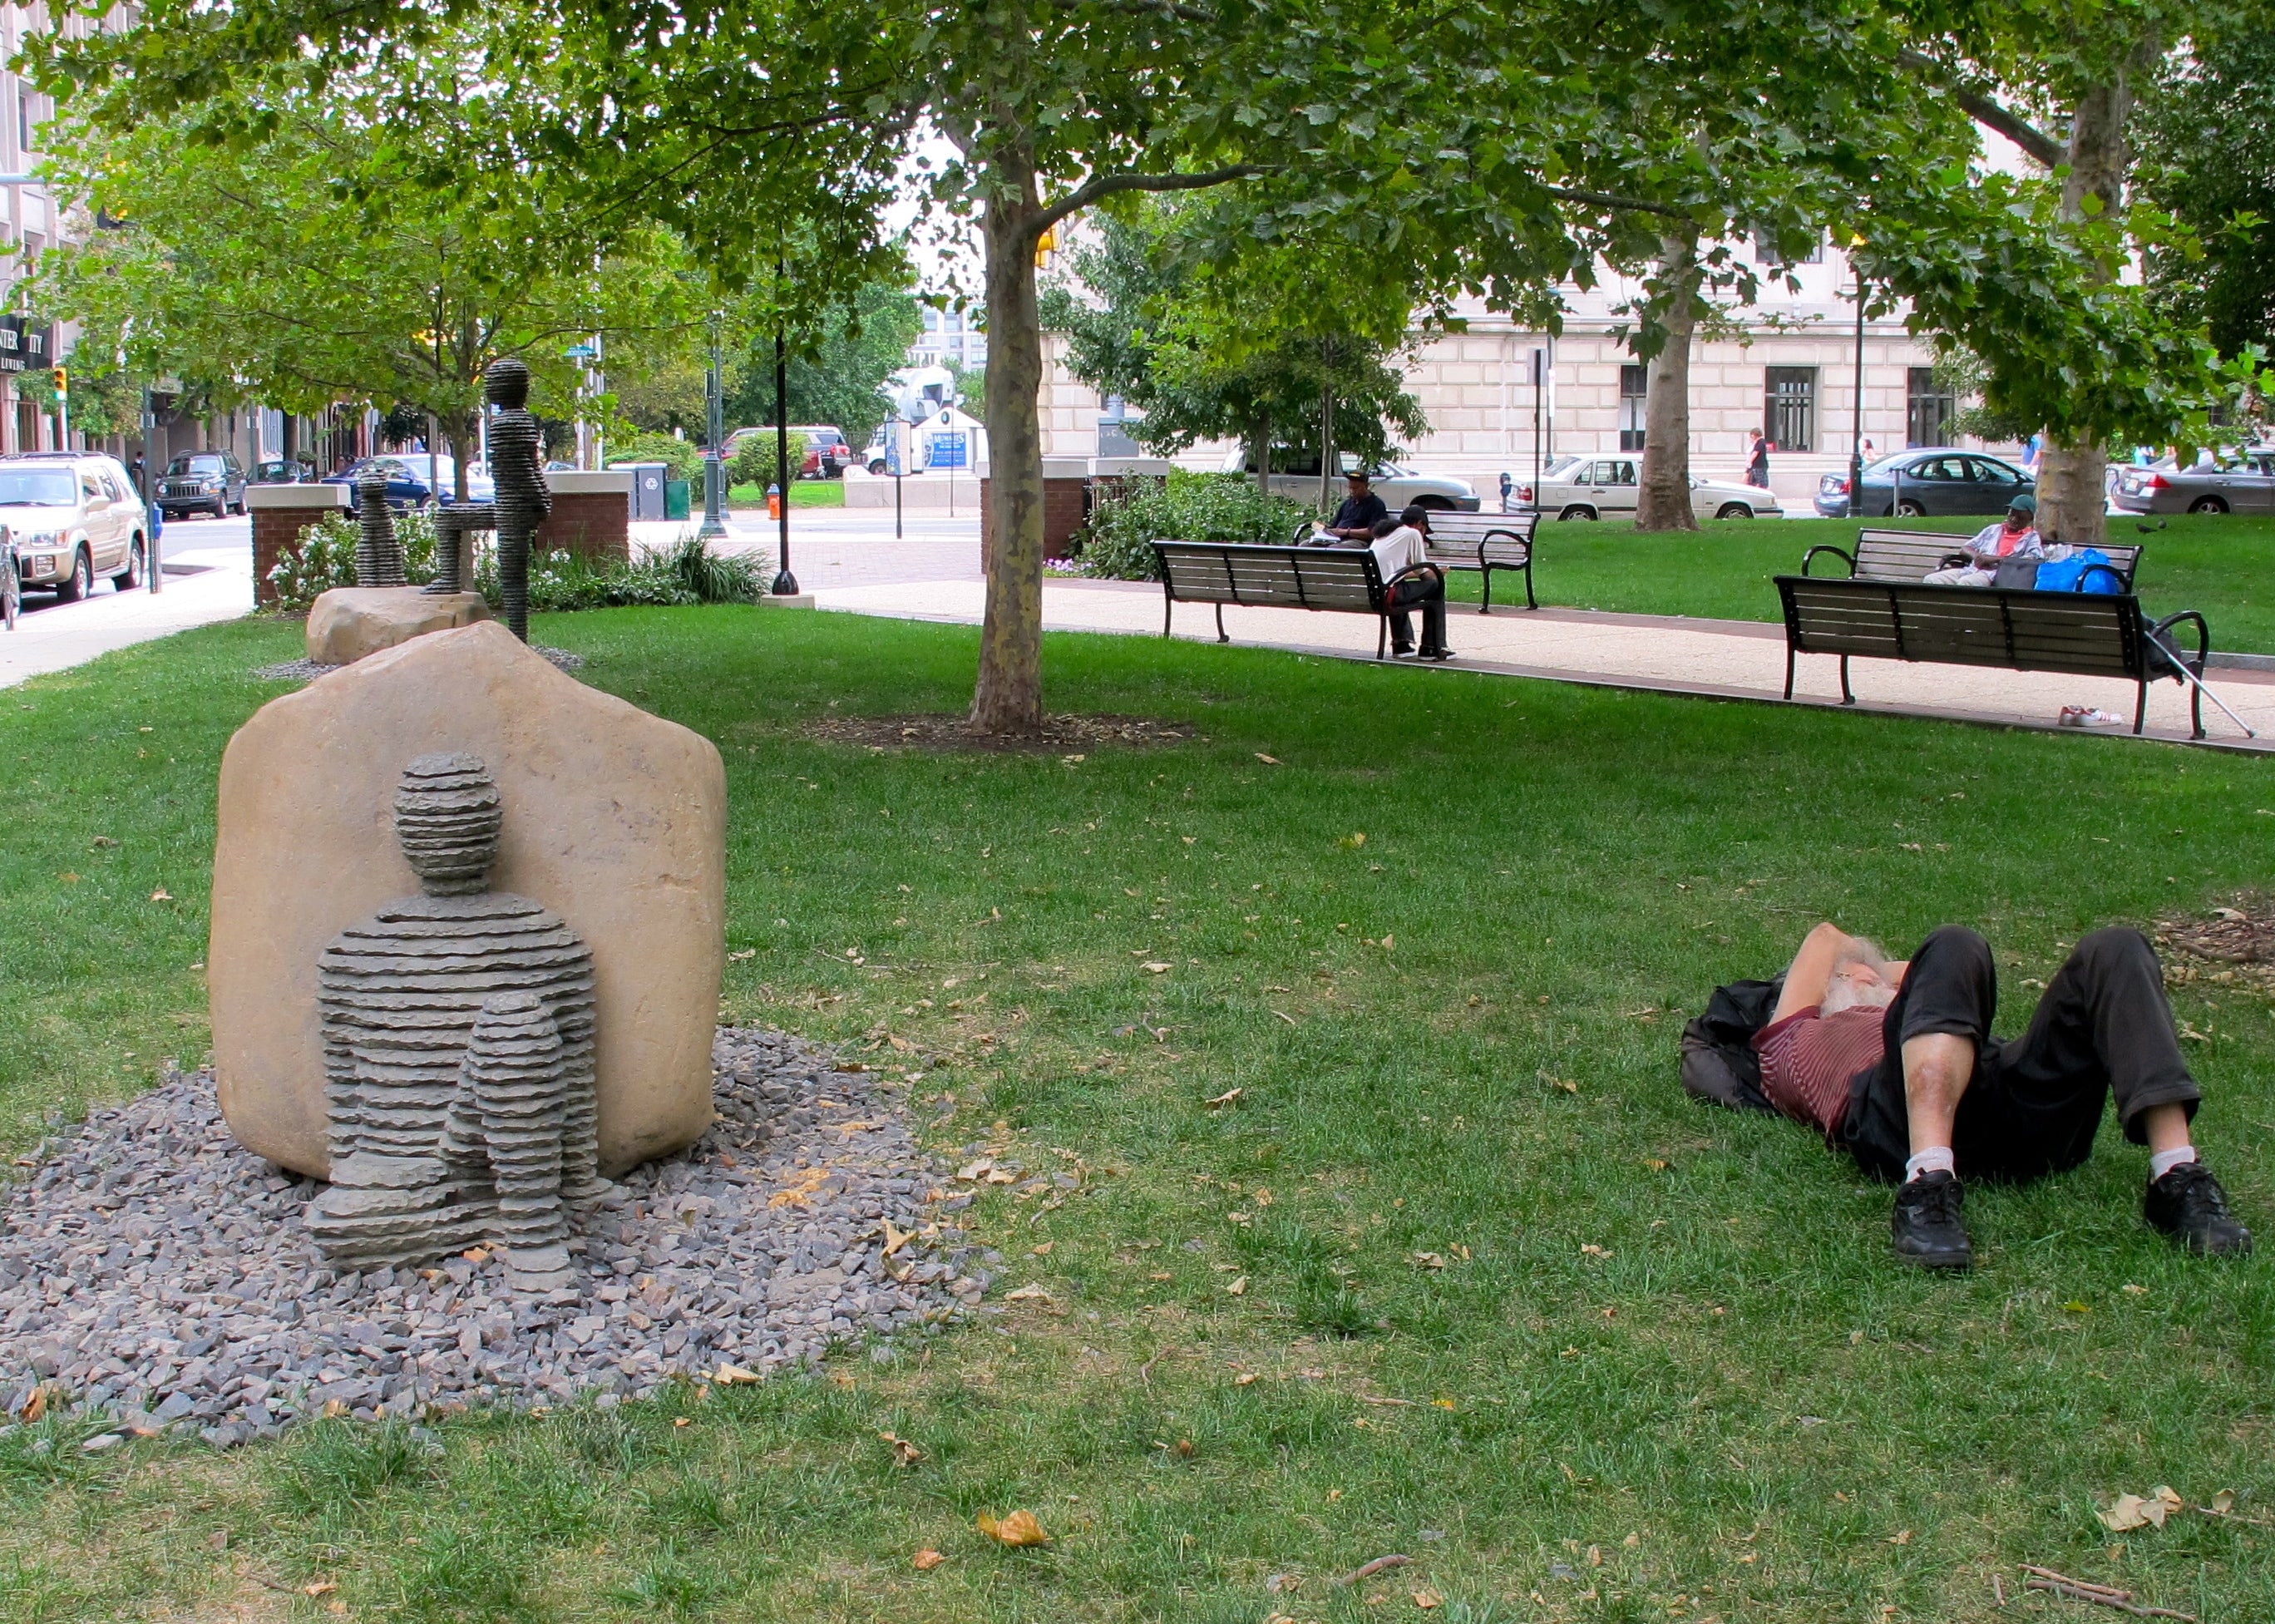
<point>597,523</point>
<point>1064,509</point>
<point>279,513</point>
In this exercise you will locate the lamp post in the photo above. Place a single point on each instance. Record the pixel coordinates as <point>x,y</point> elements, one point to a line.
<point>785,584</point>
<point>1856,408</point>
<point>714,474</point>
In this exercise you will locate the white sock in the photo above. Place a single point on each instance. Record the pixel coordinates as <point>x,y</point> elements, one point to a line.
<point>2164,1161</point>
<point>1935,1158</point>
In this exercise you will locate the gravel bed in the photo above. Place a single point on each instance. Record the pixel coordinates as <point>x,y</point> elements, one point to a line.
<point>308,670</point>
<point>153,1273</point>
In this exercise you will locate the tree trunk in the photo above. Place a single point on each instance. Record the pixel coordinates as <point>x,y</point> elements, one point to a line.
<point>1327,450</point>
<point>1259,452</point>
<point>2073,479</point>
<point>1008,696</point>
<point>1664,501</point>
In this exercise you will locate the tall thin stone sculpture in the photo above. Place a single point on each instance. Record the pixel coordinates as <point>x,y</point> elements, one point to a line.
<point>517,470</point>
<point>379,554</point>
<point>457,1032</point>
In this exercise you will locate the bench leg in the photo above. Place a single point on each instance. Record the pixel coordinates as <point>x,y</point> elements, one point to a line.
<point>1381,636</point>
<point>1219,626</point>
<point>1846,697</point>
<point>2195,709</point>
<point>1485,607</point>
<point>2140,704</point>
<point>1169,611</point>
<point>1529,602</point>
<point>1788,670</point>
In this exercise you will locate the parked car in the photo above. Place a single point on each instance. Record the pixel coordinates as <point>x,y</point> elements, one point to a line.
<point>281,470</point>
<point>202,482</point>
<point>406,480</point>
<point>72,516</point>
<point>1608,485</point>
<point>1926,483</point>
<point>11,585</point>
<point>827,452</point>
<point>1398,486</point>
<point>2219,483</point>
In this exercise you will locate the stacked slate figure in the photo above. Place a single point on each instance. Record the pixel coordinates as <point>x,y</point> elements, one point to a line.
<point>517,470</point>
<point>379,554</point>
<point>458,1029</point>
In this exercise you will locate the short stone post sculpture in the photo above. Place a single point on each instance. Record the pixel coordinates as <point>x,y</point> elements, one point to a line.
<point>379,554</point>
<point>458,1029</point>
<point>456,523</point>
<point>517,470</point>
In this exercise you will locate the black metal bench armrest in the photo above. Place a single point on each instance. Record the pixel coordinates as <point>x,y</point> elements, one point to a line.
<point>1843,555</point>
<point>2167,651</point>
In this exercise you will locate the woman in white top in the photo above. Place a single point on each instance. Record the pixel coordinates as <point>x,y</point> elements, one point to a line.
<point>1409,577</point>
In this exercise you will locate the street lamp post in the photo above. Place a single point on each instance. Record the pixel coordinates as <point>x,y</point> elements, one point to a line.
<point>785,584</point>
<point>714,472</point>
<point>1856,418</point>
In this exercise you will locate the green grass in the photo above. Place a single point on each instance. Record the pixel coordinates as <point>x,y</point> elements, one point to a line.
<point>803,494</point>
<point>2222,565</point>
<point>1738,1406</point>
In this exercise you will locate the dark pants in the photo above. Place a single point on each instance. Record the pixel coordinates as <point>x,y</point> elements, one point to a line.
<point>1428,589</point>
<point>2035,1102</point>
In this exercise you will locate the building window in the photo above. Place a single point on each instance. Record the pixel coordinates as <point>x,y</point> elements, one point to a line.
<point>1929,407</point>
<point>1789,407</point>
<point>1633,383</point>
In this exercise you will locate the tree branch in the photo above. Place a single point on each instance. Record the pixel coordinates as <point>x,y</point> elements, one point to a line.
<point>1105,185</point>
<point>2039,147</point>
<point>1145,8</point>
<point>1610,200</point>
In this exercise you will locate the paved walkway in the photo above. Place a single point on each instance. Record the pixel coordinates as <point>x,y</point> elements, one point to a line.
<point>208,577</point>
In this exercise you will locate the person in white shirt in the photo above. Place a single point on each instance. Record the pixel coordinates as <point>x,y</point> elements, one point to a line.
<point>2016,536</point>
<point>1409,577</point>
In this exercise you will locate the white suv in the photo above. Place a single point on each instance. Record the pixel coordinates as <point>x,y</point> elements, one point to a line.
<point>74,516</point>
<point>1398,487</point>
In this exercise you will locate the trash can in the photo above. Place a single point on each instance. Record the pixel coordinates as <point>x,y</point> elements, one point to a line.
<point>675,498</point>
<point>650,501</point>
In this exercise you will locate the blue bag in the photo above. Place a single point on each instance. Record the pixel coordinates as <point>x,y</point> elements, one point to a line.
<point>2070,574</point>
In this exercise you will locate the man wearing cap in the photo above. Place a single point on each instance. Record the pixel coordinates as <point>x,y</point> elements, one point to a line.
<point>1362,509</point>
<point>2016,536</point>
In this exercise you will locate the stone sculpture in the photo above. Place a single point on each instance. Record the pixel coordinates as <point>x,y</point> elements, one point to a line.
<point>379,554</point>
<point>456,523</point>
<point>457,1036</point>
<point>517,470</point>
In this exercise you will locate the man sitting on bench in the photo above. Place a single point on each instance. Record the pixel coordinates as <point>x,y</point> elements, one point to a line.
<point>1409,577</point>
<point>2016,536</point>
<point>1895,1062</point>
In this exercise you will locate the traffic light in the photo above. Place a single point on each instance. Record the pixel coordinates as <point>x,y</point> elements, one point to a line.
<point>62,381</point>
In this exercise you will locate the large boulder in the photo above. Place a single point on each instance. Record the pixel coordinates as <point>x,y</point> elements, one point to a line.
<point>615,819</point>
<point>348,623</point>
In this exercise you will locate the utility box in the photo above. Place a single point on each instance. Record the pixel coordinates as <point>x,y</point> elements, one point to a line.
<point>650,500</point>
<point>676,498</point>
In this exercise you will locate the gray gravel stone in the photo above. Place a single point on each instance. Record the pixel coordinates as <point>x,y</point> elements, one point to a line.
<point>152,1270</point>
<point>308,670</point>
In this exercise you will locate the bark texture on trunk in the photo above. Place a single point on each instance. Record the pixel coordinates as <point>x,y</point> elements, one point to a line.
<point>1008,697</point>
<point>1259,452</point>
<point>1663,502</point>
<point>2072,492</point>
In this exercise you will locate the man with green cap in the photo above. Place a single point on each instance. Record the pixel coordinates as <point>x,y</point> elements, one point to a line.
<point>2016,536</point>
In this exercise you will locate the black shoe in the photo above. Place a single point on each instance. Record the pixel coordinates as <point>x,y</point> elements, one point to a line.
<point>1926,1223</point>
<point>1397,649</point>
<point>1437,653</point>
<point>2188,1204</point>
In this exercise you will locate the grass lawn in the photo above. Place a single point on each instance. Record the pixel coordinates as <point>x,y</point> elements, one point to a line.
<point>803,494</point>
<point>2223,565</point>
<point>1457,1272</point>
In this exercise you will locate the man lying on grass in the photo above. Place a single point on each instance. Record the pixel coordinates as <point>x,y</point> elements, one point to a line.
<point>1896,1064</point>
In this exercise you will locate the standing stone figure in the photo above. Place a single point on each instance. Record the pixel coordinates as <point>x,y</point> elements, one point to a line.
<point>379,554</point>
<point>517,470</point>
<point>458,1029</point>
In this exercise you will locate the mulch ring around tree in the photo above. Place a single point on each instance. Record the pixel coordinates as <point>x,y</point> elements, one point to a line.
<point>2234,945</point>
<point>945,731</point>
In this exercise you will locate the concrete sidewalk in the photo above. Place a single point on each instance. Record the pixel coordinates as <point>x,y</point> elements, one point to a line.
<point>205,582</point>
<point>1728,659</point>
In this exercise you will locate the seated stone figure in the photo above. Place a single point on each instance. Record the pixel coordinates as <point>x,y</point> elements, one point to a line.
<point>458,1029</point>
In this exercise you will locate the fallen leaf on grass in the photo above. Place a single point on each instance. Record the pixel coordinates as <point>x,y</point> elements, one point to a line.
<point>1268,760</point>
<point>1655,1163</point>
<point>1245,1379</point>
<point>2222,1503</point>
<point>1017,1531</point>
<point>1044,1250</point>
<point>105,840</point>
<point>925,1561</point>
<point>1428,1599</point>
<point>1352,842</point>
<point>1028,1294</point>
<point>735,1375</point>
<point>904,1452</point>
<point>1429,1260</point>
<point>1238,1288</point>
<point>321,1587</point>
<point>1566,1084</point>
<point>2131,1511</point>
<point>1224,1098</point>
<point>1282,1584</point>
<point>36,1406</point>
<point>747,953</point>
<point>895,1239</point>
<point>1901,1536</point>
<point>336,1409</point>
<point>1593,1250</point>
<point>1154,967</point>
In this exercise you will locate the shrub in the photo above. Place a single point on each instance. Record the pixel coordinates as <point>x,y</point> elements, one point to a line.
<point>684,455</point>
<point>684,573</point>
<point>1186,507</point>
<point>754,461</point>
<point>322,556</point>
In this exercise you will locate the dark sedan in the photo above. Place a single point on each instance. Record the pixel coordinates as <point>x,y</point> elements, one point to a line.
<point>1926,484</point>
<point>405,489</point>
<point>281,472</point>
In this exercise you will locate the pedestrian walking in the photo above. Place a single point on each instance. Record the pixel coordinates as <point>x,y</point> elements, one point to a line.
<point>1757,459</point>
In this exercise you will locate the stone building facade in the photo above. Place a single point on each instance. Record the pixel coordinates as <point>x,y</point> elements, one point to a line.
<point>1787,365</point>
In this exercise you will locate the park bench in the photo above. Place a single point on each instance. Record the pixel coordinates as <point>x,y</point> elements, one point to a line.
<point>1343,579</point>
<point>2080,634</point>
<point>1912,555</point>
<point>1480,542</point>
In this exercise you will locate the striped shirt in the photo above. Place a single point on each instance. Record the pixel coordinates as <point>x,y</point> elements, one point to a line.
<point>1808,1061</point>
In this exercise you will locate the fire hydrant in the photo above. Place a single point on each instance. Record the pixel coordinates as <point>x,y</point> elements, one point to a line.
<point>773,502</point>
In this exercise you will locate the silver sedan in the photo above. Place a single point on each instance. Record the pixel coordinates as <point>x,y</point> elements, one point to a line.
<point>2226,482</point>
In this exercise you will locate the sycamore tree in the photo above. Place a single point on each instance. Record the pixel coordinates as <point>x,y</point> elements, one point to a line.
<point>304,262</point>
<point>1283,345</point>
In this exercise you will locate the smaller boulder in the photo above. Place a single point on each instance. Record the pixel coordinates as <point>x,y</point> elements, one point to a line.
<point>348,623</point>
